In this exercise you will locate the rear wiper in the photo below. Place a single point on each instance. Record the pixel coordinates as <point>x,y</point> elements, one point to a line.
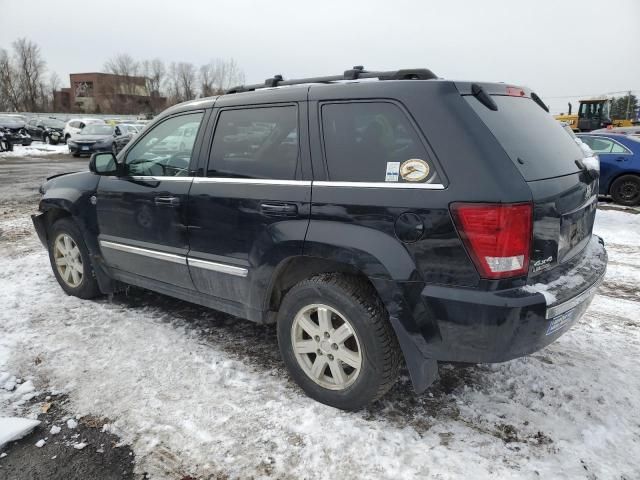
<point>483,97</point>
<point>538,100</point>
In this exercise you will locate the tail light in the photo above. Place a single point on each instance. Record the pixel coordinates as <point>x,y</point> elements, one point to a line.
<point>497,236</point>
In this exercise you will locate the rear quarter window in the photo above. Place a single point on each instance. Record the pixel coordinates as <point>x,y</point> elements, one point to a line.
<point>536,142</point>
<point>373,142</point>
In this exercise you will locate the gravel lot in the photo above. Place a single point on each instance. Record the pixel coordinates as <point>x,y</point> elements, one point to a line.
<point>194,393</point>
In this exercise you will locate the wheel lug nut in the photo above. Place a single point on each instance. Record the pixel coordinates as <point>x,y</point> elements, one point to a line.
<point>326,335</point>
<point>330,357</point>
<point>317,338</point>
<point>334,346</point>
<point>319,352</point>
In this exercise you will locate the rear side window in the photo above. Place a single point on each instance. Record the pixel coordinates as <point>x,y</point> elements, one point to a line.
<point>256,143</point>
<point>373,142</point>
<point>536,142</point>
<point>603,145</point>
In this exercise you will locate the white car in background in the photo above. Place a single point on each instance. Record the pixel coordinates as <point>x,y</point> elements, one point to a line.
<point>74,126</point>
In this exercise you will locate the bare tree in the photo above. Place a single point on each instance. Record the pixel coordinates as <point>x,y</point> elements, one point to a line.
<point>54,86</point>
<point>181,82</point>
<point>124,66</point>
<point>219,75</point>
<point>30,69</point>
<point>154,72</point>
<point>10,98</point>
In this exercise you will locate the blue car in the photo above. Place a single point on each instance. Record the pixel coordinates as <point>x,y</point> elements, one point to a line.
<point>619,165</point>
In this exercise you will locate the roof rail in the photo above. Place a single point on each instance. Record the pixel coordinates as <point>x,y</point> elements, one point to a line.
<point>355,73</point>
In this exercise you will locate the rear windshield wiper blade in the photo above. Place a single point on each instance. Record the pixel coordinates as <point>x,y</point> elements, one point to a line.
<point>483,97</point>
<point>538,100</point>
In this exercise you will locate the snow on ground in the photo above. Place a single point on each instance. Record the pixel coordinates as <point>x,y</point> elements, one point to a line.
<point>12,428</point>
<point>197,392</point>
<point>36,149</point>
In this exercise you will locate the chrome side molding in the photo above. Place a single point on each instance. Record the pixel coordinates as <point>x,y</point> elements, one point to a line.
<point>179,259</point>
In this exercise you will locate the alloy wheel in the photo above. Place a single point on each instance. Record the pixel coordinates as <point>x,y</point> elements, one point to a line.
<point>326,347</point>
<point>68,260</point>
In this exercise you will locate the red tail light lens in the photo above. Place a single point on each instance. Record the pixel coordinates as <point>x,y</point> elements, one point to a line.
<point>497,236</point>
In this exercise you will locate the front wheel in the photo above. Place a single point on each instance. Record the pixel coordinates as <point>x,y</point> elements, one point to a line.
<point>625,190</point>
<point>336,341</point>
<point>70,260</point>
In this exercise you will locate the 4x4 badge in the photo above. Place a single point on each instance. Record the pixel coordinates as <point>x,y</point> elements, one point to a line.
<point>414,170</point>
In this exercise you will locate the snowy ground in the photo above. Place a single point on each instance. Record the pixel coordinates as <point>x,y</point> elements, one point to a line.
<point>200,393</point>
<point>36,149</point>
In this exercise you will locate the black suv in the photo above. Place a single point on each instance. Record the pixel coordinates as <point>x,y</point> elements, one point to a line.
<point>409,218</point>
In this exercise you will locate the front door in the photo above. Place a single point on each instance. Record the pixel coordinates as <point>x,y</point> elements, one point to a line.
<point>252,208</point>
<point>142,216</point>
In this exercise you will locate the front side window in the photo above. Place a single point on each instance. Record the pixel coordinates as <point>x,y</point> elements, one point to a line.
<point>256,143</point>
<point>373,142</point>
<point>166,149</point>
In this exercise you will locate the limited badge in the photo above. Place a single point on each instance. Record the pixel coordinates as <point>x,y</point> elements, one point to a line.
<point>414,170</point>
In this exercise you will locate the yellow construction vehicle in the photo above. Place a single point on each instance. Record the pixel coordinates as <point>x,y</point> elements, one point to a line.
<point>592,114</point>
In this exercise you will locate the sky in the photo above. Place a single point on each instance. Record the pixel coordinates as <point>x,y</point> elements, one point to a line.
<point>562,49</point>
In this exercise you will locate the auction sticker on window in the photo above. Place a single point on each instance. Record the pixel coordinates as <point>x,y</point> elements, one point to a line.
<point>414,170</point>
<point>393,172</point>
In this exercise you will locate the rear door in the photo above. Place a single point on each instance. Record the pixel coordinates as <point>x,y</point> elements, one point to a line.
<point>251,208</point>
<point>549,160</point>
<point>142,217</point>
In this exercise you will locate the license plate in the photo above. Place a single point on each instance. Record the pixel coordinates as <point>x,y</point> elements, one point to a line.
<point>85,148</point>
<point>561,321</point>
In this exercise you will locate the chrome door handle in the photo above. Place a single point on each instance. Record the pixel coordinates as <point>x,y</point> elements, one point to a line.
<point>279,209</point>
<point>168,201</point>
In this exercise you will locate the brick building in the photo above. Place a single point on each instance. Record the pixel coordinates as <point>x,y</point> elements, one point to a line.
<point>107,93</point>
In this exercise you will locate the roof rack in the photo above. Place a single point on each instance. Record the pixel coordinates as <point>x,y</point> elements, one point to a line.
<point>355,73</point>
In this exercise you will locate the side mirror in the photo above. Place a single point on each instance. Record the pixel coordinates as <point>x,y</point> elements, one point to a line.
<point>104,164</point>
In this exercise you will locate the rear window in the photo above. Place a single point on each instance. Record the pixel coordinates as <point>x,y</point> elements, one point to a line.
<point>536,142</point>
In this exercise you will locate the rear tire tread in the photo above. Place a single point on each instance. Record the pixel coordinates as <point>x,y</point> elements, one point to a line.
<point>363,294</point>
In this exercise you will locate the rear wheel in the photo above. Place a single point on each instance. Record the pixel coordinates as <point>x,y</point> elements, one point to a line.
<point>70,260</point>
<point>625,190</point>
<point>336,341</point>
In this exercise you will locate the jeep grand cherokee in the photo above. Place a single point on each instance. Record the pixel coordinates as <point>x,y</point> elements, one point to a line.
<point>409,218</point>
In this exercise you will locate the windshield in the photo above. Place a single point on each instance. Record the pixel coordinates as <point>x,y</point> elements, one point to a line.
<point>536,143</point>
<point>97,130</point>
<point>53,123</point>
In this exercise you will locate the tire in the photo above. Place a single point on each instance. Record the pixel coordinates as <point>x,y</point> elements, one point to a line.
<point>625,190</point>
<point>114,149</point>
<point>66,138</point>
<point>47,140</point>
<point>351,301</point>
<point>64,235</point>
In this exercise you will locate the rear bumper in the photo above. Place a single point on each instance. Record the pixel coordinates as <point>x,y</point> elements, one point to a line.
<point>480,326</point>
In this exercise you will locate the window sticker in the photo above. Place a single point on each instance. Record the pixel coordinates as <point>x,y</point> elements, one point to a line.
<point>414,170</point>
<point>393,172</point>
